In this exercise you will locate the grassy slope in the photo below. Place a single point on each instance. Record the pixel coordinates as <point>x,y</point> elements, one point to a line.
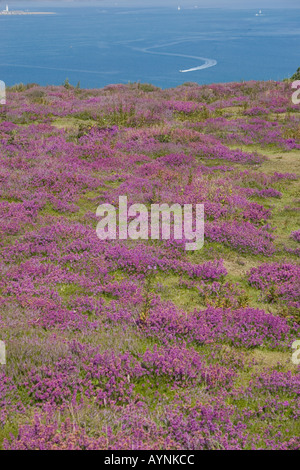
<point>238,265</point>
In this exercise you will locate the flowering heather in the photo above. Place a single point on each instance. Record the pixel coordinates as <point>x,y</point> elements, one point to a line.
<point>296,236</point>
<point>140,344</point>
<point>278,282</point>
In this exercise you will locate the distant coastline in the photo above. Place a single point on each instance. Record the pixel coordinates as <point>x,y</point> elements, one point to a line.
<point>8,12</point>
<point>17,12</point>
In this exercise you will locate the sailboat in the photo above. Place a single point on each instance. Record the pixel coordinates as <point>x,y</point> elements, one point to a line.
<point>178,8</point>
<point>259,13</point>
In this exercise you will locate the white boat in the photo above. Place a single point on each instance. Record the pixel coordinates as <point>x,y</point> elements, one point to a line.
<point>178,8</point>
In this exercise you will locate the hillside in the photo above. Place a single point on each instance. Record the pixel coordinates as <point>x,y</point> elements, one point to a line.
<point>141,344</point>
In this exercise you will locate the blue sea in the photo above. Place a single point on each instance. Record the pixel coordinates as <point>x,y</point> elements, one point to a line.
<point>96,45</point>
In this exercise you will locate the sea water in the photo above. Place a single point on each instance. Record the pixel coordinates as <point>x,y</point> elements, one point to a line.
<point>96,45</point>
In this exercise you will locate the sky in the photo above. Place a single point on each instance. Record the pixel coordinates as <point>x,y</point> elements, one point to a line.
<point>249,4</point>
<point>210,3</point>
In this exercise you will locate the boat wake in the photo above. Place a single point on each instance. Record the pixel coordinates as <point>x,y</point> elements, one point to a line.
<point>207,62</point>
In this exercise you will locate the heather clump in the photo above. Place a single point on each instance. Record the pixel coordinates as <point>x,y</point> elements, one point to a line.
<point>279,285</point>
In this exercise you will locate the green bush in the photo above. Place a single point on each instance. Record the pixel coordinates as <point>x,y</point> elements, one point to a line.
<point>296,75</point>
